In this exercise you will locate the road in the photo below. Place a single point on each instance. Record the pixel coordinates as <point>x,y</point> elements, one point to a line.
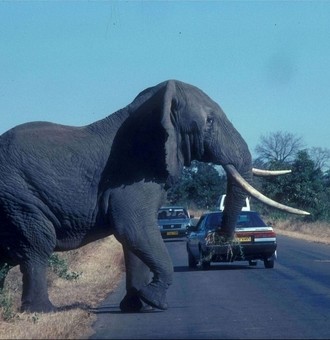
<point>234,301</point>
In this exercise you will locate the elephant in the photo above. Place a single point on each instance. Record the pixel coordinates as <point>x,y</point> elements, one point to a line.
<point>62,187</point>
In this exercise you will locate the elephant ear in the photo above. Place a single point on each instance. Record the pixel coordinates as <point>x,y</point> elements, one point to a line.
<point>146,146</point>
<point>173,153</point>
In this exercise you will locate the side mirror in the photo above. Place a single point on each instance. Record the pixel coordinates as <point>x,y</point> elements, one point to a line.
<point>191,228</point>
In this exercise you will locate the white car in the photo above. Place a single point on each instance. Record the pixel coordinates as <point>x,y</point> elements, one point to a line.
<point>245,207</point>
<point>173,221</point>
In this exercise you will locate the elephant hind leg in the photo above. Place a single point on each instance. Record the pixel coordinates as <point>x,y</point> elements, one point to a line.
<point>36,240</point>
<point>35,292</point>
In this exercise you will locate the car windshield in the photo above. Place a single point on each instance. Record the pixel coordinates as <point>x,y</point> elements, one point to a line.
<point>172,213</point>
<point>250,220</point>
<point>245,220</point>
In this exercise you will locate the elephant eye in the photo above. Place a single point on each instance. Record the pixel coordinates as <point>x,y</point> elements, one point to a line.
<point>209,120</point>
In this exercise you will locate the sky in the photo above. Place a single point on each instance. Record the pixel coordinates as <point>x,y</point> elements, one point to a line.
<point>266,63</point>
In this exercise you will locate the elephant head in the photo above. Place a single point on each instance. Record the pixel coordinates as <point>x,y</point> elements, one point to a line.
<point>62,187</point>
<point>174,123</point>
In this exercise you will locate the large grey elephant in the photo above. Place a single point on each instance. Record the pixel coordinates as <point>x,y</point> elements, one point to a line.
<point>62,187</point>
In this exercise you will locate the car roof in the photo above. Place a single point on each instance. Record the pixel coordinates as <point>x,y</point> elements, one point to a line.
<point>172,207</point>
<point>221,212</point>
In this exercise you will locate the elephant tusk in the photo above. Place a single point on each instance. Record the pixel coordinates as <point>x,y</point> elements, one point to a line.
<point>231,170</point>
<point>260,172</point>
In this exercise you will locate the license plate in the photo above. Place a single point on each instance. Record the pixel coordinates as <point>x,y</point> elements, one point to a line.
<point>244,239</point>
<point>172,233</point>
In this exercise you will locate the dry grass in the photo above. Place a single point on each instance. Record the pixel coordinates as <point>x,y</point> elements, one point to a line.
<point>314,232</point>
<point>100,264</point>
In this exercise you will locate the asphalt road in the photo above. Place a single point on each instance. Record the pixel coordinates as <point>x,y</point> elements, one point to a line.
<point>234,301</point>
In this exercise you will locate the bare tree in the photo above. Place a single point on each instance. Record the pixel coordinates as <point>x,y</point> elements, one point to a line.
<point>321,157</point>
<point>278,146</point>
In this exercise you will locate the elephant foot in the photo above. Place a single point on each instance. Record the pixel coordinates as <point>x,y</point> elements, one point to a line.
<point>131,304</point>
<point>154,294</point>
<point>47,307</point>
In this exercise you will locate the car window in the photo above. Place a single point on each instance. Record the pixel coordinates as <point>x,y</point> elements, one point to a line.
<point>245,220</point>
<point>200,222</point>
<point>213,221</point>
<point>172,213</point>
<point>250,220</point>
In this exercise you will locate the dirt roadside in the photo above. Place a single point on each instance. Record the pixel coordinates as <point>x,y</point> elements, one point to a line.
<point>306,237</point>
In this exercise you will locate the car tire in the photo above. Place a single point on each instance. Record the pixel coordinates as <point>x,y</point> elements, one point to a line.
<point>206,265</point>
<point>203,264</point>
<point>191,261</point>
<point>269,263</point>
<point>253,263</point>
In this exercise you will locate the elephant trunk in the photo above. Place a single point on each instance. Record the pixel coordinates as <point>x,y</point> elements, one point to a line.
<point>226,147</point>
<point>235,197</point>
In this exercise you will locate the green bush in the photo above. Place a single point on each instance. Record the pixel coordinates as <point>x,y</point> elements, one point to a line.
<point>6,305</point>
<point>60,267</point>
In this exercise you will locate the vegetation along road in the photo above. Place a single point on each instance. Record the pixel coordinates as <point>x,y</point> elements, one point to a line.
<point>232,301</point>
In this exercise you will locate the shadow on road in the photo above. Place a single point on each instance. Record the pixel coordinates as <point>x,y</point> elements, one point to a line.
<point>72,306</point>
<point>114,309</point>
<point>180,269</point>
<point>174,240</point>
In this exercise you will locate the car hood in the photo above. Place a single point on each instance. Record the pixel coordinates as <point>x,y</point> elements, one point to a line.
<point>174,221</point>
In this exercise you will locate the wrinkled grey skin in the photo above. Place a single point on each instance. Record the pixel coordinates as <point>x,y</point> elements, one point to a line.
<point>62,187</point>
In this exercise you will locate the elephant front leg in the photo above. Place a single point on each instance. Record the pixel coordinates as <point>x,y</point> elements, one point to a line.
<point>134,217</point>
<point>137,276</point>
<point>158,260</point>
<point>35,292</point>
<point>149,248</point>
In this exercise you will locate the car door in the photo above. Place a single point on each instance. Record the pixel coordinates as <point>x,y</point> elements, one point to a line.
<point>195,236</point>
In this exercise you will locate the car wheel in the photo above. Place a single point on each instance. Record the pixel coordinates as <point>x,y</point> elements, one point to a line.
<point>269,263</point>
<point>191,261</point>
<point>203,262</point>
<point>253,263</point>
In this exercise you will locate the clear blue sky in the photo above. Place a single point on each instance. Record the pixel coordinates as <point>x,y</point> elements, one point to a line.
<point>267,63</point>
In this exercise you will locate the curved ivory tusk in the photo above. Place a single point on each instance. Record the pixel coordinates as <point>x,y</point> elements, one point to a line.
<point>260,172</point>
<point>259,196</point>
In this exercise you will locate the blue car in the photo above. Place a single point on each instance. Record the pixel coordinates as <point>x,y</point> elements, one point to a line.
<point>253,241</point>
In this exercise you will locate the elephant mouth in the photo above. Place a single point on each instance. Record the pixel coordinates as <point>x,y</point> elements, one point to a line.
<point>235,175</point>
<point>192,148</point>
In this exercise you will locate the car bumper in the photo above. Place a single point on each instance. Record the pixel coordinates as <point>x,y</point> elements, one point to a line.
<point>173,233</point>
<point>243,252</point>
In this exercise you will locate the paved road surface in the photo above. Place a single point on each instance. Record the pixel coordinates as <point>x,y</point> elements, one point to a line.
<point>232,301</point>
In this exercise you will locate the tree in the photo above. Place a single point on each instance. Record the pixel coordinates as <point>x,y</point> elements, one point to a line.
<point>307,187</point>
<point>321,157</point>
<point>305,184</point>
<point>278,147</point>
<point>200,186</point>
<point>303,188</point>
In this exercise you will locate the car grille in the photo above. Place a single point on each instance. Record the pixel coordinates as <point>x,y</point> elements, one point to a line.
<point>171,226</point>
